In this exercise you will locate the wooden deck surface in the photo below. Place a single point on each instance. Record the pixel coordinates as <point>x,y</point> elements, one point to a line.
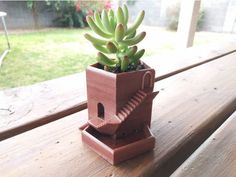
<point>215,157</point>
<point>190,107</point>
<point>24,108</point>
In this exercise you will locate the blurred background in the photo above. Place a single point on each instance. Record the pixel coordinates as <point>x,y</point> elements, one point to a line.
<point>47,40</point>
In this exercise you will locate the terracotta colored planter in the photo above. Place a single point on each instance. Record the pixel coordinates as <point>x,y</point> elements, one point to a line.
<point>119,107</point>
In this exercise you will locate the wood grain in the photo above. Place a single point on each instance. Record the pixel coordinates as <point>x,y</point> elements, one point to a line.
<point>189,107</point>
<point>216,157</point>
<point>24,108</point>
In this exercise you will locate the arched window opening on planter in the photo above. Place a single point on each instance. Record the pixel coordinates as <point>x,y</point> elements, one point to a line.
<point>101,111</point>
<point>147,81</point>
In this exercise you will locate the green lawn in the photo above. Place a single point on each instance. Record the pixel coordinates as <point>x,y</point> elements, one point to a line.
<point>51,53</point>
<point>39,56</point>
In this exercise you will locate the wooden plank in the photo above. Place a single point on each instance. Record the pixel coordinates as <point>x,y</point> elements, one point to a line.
<point>189,107</point>
<point>215,157</point>
<point>24,108</point>
<point>181,60</point>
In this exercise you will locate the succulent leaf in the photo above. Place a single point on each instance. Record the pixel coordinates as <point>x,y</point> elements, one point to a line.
<point>137,56</point>
<point>136,24</point>
<point>95,40</point>
<point>120,16</point>
<point>111,47</point>
<point>135,40</point>
<point>126,14</point>
<point>112,19</point>
<point>123,47</point>
<point>98,21</point>
<point>111,13</point>
<point>131,51</point>
<point>104,60</point>
<point>101,48</point>
<point>120,55</point>
<point>96,29</point>
<point>119,32</point>
<point>131,35</point>
<point>106,22</point>
<point>124,64</point>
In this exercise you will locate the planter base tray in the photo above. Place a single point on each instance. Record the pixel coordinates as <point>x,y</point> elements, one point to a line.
<point>116,151</point>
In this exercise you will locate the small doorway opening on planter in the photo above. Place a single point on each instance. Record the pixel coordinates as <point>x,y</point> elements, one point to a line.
<point>147,81</point>
<point>101,111</point>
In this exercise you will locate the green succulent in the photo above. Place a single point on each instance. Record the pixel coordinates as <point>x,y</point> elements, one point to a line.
<point>117,42</point>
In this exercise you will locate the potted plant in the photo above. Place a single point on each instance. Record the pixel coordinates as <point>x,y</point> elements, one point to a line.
<point>119,89</point>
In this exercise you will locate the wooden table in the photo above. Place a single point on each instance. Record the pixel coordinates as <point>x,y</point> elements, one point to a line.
<point>191,122</point>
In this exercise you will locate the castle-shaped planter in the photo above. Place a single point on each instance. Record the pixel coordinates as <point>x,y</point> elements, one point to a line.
<point>119,108</point>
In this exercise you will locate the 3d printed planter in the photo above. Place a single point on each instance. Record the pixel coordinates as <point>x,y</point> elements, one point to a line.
<point>119,107</point>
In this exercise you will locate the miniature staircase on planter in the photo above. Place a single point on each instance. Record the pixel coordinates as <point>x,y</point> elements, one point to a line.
<point>109,126</point>
<point>131,105</point>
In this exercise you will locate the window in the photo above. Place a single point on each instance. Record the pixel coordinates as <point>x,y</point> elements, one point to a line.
<point>147,81</point>
<point>101,112</point>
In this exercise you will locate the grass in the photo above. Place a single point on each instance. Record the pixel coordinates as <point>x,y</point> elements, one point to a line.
<point>43,55</point>
<point>39,56</point>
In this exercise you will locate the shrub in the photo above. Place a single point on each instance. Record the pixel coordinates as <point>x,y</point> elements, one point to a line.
<point>70,13</point>
<point>73,13</point>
